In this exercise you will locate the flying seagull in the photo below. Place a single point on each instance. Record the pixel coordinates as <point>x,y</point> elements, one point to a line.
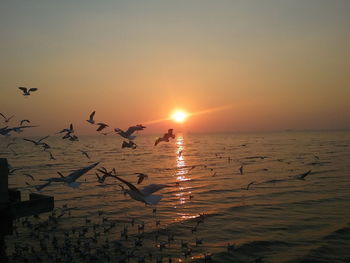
<point>141,176</point>
<point>6,130</point>
<point>247,188</point>
<point>51,156</point>
<point>241,169</point>
<point>30,176</point>
<point>144,195</point>
<point>91,118</point>
<point>70,179</point>
<point>165,137</point>
<point>128,133</point>
<point>67,130</point>
<point>302,176</point>
<point>38,142</point>
<point>101,179</point>
<point>129,144</point>
<point>85,153</point>
<point>26,92</point>
<point>5,118</point>
<point>101,126</point>
<point>106,173</point>
<point>22,121</point>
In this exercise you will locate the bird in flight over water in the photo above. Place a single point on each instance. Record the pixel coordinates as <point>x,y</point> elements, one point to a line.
<point>7,119</point>
<point>91,118</point>
<point>144,195</point>
<point>127,134</point>
<point>165,137</point>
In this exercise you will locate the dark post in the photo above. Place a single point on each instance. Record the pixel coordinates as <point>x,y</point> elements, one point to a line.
<point>11,206</point>
<point>4,199</point>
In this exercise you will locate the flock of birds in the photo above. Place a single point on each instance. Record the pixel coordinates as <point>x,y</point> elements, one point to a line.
<point>66,251</point>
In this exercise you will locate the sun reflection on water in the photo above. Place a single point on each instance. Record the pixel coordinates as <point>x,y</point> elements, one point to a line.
<point>181,171</point>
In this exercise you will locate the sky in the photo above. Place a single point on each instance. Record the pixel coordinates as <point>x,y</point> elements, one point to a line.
<point>237,65</point>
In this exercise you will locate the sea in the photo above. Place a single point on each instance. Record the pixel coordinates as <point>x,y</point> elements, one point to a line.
<point>229,197</point>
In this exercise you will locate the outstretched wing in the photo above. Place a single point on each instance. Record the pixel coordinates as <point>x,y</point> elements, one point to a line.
<point>302,176</point>
<point>130,185</point>
<point>22,121</point>
<point>102,126</point>
<point>23,89</point>
<point>60,174</point>
<point>92,115</point>
<point>150,189</point>
<point>32,89</point>
<point>140,180</point>
<point>3,116</point>
<point>40,187</point>
<point>158,141</point>
<point>76,174</point>
<point>28,140</point>
<point>132,129</point>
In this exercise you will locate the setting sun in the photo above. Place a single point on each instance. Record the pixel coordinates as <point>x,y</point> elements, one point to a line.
<point>179,116</point>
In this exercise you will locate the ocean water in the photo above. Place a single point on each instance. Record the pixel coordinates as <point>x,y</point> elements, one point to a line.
<point>278,219</point>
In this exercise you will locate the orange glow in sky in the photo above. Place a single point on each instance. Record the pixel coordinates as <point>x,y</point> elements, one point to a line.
<point>179,116</point>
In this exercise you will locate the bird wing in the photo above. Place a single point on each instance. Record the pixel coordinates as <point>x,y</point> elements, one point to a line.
<point>60,174</point>
<point>92,115</point>
<point>76,174</point>
<point>149,189</point>
<point>8,119</point>
<point>158,141</point>
<point>98,177</point>
<point>101,126</point>
<point>71,127</point>
<point>51,156</point>
<point>302,176</point>
<point>40,187</point>
<point>23,89</point>
<point>130,185</point>
<point>32,89</point>
<point>140,179</point>
<point>29,175</point>
<point>3,115</point>
<point>104,169</point>
<point>28,140</point>
<point>132,129</point>
<point>24,121</point>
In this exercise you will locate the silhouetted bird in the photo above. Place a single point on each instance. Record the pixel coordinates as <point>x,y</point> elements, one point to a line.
<point>165,137</point>
<point>5,118</point>
<point>91,118</point>
<point>129,144</point>
<point>26,92</point>
<point>127,134</point>
<point>101,126</point>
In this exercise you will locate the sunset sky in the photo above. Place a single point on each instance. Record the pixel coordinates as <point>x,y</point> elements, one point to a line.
<point>238,65</point>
